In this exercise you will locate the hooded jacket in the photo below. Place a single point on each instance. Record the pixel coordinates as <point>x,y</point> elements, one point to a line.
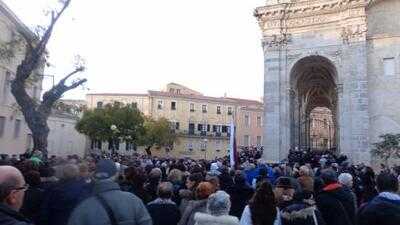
<point>383,210</point>
<point>336,205</point>
<point>301,214</point>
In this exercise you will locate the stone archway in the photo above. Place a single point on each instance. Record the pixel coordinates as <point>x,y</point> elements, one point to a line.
<point>313,85</point>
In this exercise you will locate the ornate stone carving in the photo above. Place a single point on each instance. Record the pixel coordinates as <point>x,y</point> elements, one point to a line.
<point>353,33</point>
<point>277,40</point>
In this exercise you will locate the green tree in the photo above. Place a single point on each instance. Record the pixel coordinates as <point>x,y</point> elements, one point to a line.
<point>113,122</point>
<point>388,148</point>
<point>157,133</point>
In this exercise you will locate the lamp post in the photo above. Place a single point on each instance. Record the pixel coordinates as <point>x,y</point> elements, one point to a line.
<point>114,130</point>
<point>205,148</point>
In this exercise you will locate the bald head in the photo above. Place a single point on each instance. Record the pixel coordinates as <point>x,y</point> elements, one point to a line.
<point>11,178</point>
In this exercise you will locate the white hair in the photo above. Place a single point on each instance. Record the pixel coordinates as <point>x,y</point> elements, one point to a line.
<point>219,203</point>
<point>346,179</point>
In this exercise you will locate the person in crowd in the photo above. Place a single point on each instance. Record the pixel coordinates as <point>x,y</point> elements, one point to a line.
<point>284,192</point>
<point>302,211</point>
<point>155,176</point>
<point>369,191</point>
<point>34,196</point>
<point>84,173</point>
<point>188,194</point>
<point>175,176</point>
<point>346,179</point>
<point>109,205</point>
<point>334,202</point>
<point>240,193</point>
<point>262,208</point>
<point>305,179</point>
<point>135,179</point>
<point>218,207</point>
<point>203,191</point>
<point>214,180</point>
<point>225,178</point>
<point>12,191</point>
<point>385,208</point>
<point>64,197</point>
<point>163,210</point>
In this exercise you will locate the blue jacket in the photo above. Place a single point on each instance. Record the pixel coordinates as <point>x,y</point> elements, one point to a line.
<point>380,211</point>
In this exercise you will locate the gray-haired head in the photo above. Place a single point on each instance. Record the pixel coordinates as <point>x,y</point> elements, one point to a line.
<point>346,179</point>
<point>219,203</point>
<point>70,171</point>
<point>165,190</point>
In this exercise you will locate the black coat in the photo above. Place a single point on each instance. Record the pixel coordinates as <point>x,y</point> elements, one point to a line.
<point>380,211</point>
<point>240,195</point>
<point>164,214</point>
<point>11,217</point>
<point>337,206</point>
<point>32,203</point>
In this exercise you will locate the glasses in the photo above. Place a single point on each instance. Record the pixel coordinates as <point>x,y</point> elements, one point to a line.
<point>23,188</point>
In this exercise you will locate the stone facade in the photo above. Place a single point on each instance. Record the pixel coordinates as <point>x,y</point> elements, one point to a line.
<point>201,122</point>
<point>14,133</point>
<point>339,54</point>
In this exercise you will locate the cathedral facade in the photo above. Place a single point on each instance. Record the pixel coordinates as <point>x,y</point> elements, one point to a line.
<point>339,55</point>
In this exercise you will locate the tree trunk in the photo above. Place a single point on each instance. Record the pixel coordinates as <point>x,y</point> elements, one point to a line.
<point>40,141</point>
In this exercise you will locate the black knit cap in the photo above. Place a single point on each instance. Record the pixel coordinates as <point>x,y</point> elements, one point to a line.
<point>284,182</point>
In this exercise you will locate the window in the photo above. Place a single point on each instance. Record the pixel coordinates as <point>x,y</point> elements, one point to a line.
<point>6,84</point>
<point>259,140</point>
<point>325,123</point>
<point>246,140</point>
<point>190,147</point>
<point>204,108</point>
<point>191,107</point>
<point>218,145</point>
<point>191,128</point>
<point>389,67</point>
<point>173,105</point>
<point>218,109</point>
<point>230,112</point>
<point>247,120</point>
<point>159,104</point>
<point>2,125</point>
<point>259,121</point>
<point>99,105</point>
<point>177,126</point>
<point>17,128</point>
<point>224,129</point>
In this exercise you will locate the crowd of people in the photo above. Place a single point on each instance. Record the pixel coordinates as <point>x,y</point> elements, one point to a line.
<point>306,189</point>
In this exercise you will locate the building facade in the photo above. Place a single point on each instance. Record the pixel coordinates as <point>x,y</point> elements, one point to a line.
<point>15,136</point>
<point>200,122</point>
<point>339,54</point>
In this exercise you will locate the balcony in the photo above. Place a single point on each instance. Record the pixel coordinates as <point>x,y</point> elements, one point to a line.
<point>202,134</point>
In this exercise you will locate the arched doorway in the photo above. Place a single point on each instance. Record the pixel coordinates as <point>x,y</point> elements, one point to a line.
<point>314,108</point>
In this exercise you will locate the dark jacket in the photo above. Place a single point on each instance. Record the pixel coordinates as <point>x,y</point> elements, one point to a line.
<point>301,214</point>
<point>336,205</point>
<point>240,195</point>
<point>32,203</point>
<point>62,199</point>
<point>380,211</point>
<point>9,216</point>
<point>127,208</point>
<point>164,212</point>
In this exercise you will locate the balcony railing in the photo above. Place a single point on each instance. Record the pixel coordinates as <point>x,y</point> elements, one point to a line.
<point>201,134</point>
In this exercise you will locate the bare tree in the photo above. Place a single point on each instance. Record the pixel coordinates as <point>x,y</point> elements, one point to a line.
<point>35,112</point>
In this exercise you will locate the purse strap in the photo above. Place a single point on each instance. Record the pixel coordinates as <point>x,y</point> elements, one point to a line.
<point>108,209</point>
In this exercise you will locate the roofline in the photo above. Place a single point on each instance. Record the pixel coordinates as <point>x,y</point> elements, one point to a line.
<point>118,94</point>
<point>21,27</point>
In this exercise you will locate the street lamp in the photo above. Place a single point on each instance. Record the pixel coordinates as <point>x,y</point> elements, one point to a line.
<point>205,148</point>
<point>114,130</point>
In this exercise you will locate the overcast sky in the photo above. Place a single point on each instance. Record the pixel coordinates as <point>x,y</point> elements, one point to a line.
<point>131,46</point>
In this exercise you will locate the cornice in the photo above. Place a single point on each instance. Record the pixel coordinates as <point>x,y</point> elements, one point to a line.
<point>306,8</point>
